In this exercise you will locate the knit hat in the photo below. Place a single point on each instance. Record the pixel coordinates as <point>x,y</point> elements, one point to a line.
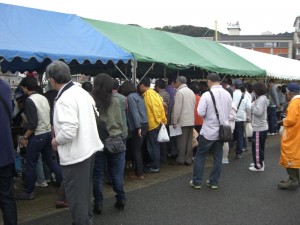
<point>293,88</point>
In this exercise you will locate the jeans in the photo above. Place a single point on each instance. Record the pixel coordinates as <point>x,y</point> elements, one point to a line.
<point>40,174</point>
<point>272,119</point>
<point>154,148</point>
<point>7,202</point>
<point>239,136</point>
<point>203,148</point>
<point>115,166</point>
<point>39,144</point>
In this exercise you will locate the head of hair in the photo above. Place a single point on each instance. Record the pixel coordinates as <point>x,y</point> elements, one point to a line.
<point>59,71</point>
<point>171,79</point>
<point>116,84</point>
<point>213,77</point>
<point>194,86</point>
<point>283,89</point>
<point>182,79</point>
<point>127,88</point>
<point>30,83</point>
<point>259,88</point>
<point>87,86</point>
<point>145,81</point>
<point>102,91</point>
<point>160,83</point>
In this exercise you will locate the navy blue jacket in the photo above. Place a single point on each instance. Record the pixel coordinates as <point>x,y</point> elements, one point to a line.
<point>7,155</point>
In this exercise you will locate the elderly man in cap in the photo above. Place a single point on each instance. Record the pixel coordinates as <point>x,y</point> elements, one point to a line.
<point>290,144</point>
<point>183,115</point>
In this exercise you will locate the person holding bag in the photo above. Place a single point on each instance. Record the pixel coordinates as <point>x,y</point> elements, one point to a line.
<point>109,109</point>
<point>209,134</point>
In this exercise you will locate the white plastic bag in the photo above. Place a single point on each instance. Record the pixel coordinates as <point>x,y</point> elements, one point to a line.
<point>248,130</point>
<point>163,134</point>
<point>281,130</point>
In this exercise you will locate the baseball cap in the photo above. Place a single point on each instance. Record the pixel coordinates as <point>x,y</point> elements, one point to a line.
<point>293,87</point>
<point>238,83</point>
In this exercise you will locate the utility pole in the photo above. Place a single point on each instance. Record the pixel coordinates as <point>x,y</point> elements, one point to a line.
<point>216,31</point>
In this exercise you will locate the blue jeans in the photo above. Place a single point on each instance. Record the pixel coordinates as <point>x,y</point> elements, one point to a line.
<point>39,144</point>
<point>153,147</point>
<point>203,148</point>
<point>239,136</point>
<point>7,201</point>
<point>115,166</point>
<point>272,119</point>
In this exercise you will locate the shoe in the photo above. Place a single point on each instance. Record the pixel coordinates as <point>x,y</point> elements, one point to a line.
<point>98,209</point>
<point>252,164</point>
<point>61,204</point>
<point>288,184</point>
<point>212,186</point>
<point>135,177</point>
<point>188,164</point>
<point>120,205</point>
<point>225,161</point>
<point>175,163</point>
<point>271,134</point>
<point>25,196</point>
<point>150,170</point>
<point>238,156</point>
<point>43,184</point>
<point>245,149</point>
<point>194,186</point>
<point>256,170</point>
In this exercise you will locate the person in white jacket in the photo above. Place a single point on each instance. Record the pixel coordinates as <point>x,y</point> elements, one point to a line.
<point>76,139</point>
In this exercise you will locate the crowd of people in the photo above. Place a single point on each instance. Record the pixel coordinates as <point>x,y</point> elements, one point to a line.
<point>68,129</point>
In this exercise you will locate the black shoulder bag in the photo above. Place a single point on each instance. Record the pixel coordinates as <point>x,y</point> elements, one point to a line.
<point>225,132</point>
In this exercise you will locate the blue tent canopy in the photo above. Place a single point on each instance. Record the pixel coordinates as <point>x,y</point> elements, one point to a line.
<point>32,36</point>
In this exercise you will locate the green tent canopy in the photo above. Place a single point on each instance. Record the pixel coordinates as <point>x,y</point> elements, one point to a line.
<point>175,50</point>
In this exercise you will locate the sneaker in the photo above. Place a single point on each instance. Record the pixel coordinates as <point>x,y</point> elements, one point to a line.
<point>252,164</point>
<point>25,196</point>
<point>150,170</point>
<point>256,170</point>
<point>245,149</point>
<point>43,184</point>
<point>225,161</point>
<point>238,156</point>
<point>194,186</point>
<point>271,134</point>
<point>212,186</point>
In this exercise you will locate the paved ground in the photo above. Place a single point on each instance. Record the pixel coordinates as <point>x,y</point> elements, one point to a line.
<point>243,198</point>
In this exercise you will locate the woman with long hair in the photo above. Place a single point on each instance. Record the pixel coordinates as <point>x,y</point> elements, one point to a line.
<point>110,113</point>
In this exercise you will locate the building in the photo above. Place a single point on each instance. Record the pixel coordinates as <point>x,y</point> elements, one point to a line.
<point>281,45</point>
<point>297,37</point>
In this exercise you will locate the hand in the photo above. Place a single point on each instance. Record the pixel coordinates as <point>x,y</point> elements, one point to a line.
<point>174,126</point>
<point>139,131</point>
<point>54,144</point>
<point>23,142</point>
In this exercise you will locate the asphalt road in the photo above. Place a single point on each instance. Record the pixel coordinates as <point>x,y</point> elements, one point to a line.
<point>243,198</point>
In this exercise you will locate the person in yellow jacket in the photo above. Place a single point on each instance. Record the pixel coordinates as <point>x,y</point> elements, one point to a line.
<point>156,116</point>
<point>290,139</point>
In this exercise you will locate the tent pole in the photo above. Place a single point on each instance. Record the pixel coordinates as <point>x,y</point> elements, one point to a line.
<point>121,72</point>
<point>151,67</point>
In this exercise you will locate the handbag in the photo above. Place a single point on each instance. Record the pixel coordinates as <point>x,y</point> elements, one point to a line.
<point>225,133</point>
<point>163,134</point>
<point>248,130</point>
<point>114,145</point>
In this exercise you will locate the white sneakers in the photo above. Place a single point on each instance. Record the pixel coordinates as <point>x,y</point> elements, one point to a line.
<point>225,161</point>
<point>43,184</point>
<point>257,170</point>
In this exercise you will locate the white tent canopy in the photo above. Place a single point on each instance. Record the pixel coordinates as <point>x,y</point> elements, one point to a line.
<point>276,66</point>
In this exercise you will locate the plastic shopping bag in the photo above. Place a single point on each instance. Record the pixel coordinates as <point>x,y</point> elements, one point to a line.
<point>163,134</point>
<point>248,130</point>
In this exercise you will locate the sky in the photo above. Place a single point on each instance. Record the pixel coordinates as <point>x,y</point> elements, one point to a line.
<point>254,16</point>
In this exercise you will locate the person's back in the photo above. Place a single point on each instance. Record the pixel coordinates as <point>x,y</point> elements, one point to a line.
<point>7,202</point>
<point>73,124</point>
